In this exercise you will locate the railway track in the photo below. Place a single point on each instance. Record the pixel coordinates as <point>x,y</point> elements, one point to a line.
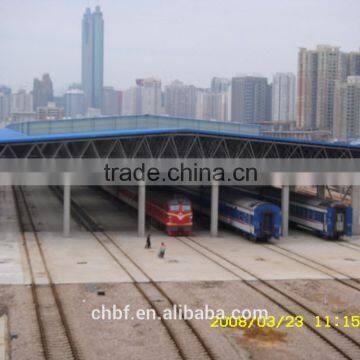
<point>183,334</point>
<point>346,346</point>
<point>349,245</point>
<point>335,274</point>
<point>55,335</point>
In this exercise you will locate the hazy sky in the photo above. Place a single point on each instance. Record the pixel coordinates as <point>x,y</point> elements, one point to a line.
<point>191,40</point>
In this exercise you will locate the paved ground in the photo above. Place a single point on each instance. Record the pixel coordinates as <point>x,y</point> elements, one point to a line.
<point>4,338</point>
<point>330,253</point>
<point>11,259</point>
<point>81,259</point>
<point>80,265</point>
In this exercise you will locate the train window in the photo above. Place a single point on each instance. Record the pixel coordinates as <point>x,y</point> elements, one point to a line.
<point>186,207</point>
<point>174,207</point>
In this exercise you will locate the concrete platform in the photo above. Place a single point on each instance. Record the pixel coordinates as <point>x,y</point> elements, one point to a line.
<point>327,252</point>
<point>12,258</point>
<point>80,258</point>
<point>258,260</point>
<point>180,263</point>
<point>4,338</point>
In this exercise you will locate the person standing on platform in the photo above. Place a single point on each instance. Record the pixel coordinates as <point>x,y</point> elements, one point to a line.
<point>148,242</point>
<point>162,251</point>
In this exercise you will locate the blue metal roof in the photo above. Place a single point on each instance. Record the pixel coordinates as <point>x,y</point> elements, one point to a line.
<point>22,132</point>
<point>8,134</point>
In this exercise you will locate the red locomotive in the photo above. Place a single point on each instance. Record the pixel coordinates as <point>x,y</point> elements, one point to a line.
<point>175,214</point>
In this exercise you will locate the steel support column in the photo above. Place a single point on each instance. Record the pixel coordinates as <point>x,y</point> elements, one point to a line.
<point>285,194</point>
<point>141,209</point>
<point>355,201</point>
<point>214,209</point>
<point>321,191</point>
<point>66,210</point>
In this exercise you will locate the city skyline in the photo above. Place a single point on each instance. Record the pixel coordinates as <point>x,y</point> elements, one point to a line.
<point>130,53</point>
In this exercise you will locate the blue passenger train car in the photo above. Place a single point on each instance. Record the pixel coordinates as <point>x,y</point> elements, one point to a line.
<point>331,219</point>
<point>328,218</point>
<point>259,220</point>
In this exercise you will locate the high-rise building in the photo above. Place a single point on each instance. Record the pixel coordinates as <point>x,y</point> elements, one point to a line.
<point>268,102</point>
<point>144,98</point>
<point>347,109</point>
<point>306,89</point>
<point>249,99</point>
<point>212,105</point>
<point>332,67</point>
<point>49,112</point>
<point>120,101</point>
<point>129,101</point>
<point>74,100</point>
<point>220,85</point>
<point>93,57</point>
<point>22,108</point>
<point>5,104</point>
<point>22,102</point>
<point>354,63</point>
<point>112,101</point>
<point>180,99</point>
<point>283,97</point>
<point>150,96</point>
<point>42,91</point>
<point>318,71</point>
<point>60,101</point>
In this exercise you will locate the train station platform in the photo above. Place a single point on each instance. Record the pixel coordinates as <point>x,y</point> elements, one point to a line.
<point>80,258</point>
<point>153,136</point>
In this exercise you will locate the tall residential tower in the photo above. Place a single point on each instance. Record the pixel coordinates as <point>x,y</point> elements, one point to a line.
<point>318,72</point>
<point>249,99</point>
<point>347,109</point>
<point>283,97</point>
<point>93,57</point>
<point>42,91</point>
<point>180,99</point>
